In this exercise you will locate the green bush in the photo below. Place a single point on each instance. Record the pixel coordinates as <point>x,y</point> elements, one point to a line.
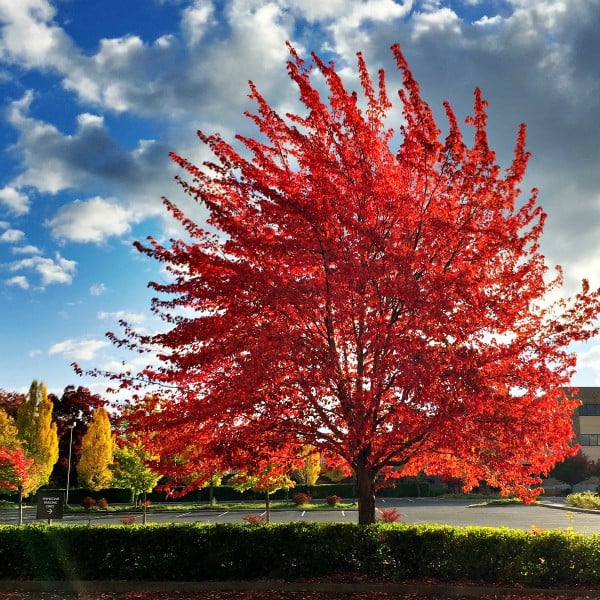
<point>397,552</point>
<point>584,500</point>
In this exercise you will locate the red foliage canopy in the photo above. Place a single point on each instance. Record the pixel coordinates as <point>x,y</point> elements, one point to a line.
<point>377,294</point>
<point>15,468</point>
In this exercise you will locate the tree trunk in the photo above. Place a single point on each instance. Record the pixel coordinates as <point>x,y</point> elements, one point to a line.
<point>365,491</point>
<point>20,507</point>
<point>144,509</point>
<point>268,507</point>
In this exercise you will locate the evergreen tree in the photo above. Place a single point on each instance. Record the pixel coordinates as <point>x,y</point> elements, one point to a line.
<point>38,434</point>
<point>97,448</point>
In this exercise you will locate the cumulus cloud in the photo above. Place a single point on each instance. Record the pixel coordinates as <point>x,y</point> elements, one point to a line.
<point>19,281</point>
<point>14,200</point>
<point>443,20</point>
<point>54,161</point>
<point>57,270</point>
<point>90,220</point>
<point>195,21</point>
<point>28,36</point>
<point>73,349</point>
<point>12,236</point>
<point>28,249</point>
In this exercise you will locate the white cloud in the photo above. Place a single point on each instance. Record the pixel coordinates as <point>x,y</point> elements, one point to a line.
<point>97,289</point>
<point>127,74</point>
<point>51,271</point>
<point>486,21</point>
<point>123,315</point>
<point>12,236</point>
<point>590,359</point>
<point>29,249</point>
<point>78,349</point>
<point>19,281</point>
<point>29,37</point>
<point>40,151</point>
<point>346,23</point>
<point>317,10</point>
<point>16,202</point>
<point>53,161</point>
<point>444,20</point>
<point>91,220</point>
<point>35,352</point>
<point>89,159</point>
<point>195,20</point>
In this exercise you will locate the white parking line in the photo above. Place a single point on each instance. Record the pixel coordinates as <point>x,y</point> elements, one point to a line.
<point>303,513</point>
<point>184,514</point>
<point>223,514</point>
<point>343,514</point>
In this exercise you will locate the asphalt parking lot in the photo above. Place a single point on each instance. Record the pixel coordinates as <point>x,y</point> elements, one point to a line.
<point>552,513</point>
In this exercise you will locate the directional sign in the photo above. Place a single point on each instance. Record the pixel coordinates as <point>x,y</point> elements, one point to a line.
<point>50,504</point>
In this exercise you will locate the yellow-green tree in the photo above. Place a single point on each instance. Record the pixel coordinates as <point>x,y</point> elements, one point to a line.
<point>311,469</point>
<point>9,434</point>
<point>267,478</point>
<point>37,434</point>
<point>97,450</point>
<point>131,470</point>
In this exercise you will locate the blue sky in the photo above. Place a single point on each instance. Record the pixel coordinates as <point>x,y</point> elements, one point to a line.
<point>95,93</point>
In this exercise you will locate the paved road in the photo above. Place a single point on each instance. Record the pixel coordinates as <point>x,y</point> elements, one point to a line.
<point>418,510</point>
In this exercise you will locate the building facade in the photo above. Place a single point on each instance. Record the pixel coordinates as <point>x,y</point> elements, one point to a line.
<point>586,422</point>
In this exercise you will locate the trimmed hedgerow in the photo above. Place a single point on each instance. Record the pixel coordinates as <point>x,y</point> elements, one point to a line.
<point>188,552</point>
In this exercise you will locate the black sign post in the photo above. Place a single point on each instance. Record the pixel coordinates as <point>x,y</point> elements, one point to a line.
<point>50,504</point>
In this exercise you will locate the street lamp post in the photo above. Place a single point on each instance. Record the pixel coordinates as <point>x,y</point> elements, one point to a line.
<point>71,427</point>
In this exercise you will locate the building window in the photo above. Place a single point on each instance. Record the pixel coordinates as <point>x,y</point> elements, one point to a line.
<point>589,439</point>
<point>589,410</point>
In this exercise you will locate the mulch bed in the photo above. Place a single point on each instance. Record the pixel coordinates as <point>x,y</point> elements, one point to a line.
<point>321,589</point>
<point>272,595</point>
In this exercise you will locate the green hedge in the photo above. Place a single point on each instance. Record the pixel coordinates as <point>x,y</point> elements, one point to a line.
<point>299,550</point>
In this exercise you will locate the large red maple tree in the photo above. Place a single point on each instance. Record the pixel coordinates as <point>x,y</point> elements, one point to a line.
<point>377,294</point>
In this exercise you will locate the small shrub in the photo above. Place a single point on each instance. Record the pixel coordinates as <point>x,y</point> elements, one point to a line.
<point>128,520</point>
<point>301,498</point>
<point>389,515</point>
<point>88,503</point>
<point>254,519</point>
<point>333,500</point>
<point>584,500</point>
<point>102,503</point>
